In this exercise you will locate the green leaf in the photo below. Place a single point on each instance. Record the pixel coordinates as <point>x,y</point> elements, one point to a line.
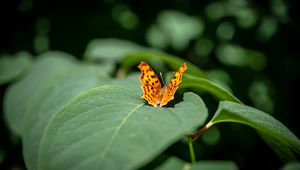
<point>177,164</point>
<point>111,127</point>
<point>171,61</point>
<point>199,83</point>
<point>110,49</point>
<point>12,67</point>
<point>280,138</point>
<point>55,78</point>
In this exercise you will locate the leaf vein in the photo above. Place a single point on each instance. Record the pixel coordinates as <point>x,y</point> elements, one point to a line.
<point>115,134</point>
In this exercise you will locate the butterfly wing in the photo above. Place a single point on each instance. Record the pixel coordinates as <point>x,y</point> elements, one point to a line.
<point>151,85</point>
<point>172,86</point>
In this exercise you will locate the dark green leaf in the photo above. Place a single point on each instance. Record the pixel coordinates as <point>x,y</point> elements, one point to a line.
<point>274,132</point>
<point>111,127</point>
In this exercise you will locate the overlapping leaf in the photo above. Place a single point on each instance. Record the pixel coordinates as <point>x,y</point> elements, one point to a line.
<point>52,82</point>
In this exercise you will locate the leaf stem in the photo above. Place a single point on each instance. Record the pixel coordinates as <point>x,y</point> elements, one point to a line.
<point>192,153</point>
<point>201,131</point>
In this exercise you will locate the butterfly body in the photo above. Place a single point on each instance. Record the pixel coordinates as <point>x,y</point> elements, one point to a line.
<point>153,91</point>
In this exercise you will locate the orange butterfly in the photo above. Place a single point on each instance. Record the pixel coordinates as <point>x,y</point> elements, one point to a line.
<point>153,91</point>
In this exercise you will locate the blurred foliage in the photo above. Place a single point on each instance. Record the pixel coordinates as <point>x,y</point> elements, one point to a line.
<point>248,47</point>
<point>212,137</point>
<point>12,67</point>
<point>174,29</point>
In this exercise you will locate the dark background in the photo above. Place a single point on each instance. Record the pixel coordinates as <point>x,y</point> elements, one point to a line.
<point>68,25</point>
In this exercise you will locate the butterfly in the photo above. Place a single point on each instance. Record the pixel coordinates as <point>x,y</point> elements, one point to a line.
<point>153,92</point>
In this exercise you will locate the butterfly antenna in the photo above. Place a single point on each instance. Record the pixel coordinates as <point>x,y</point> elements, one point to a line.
<point>162,78</point>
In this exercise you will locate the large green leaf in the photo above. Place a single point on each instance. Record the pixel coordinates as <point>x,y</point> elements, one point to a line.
<point>177,164</point>
<point>280,138</point>
<point>12,67</point>
<point>111,127</point>
<point>53,81</point>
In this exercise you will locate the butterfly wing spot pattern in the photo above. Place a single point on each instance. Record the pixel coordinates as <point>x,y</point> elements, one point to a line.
<point>173,85</point>
<point>151,84</point>
<point>153,92</point>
